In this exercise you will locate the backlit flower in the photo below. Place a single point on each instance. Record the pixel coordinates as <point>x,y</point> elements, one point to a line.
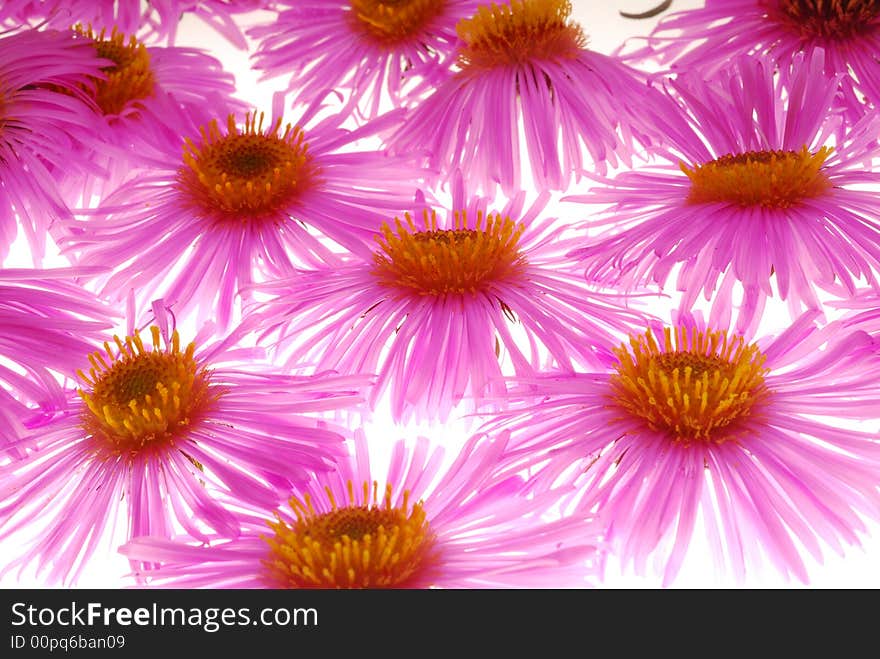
<point>761,441</point>
<point>151,21</point>
<point>164,437</point>
<point>445,305</point>
<point>414,524</point>
<point>756,198</point>
<point>527,63</point>
<point>40,129</point>
<point>708,38</point>
<point>393,48</point>
<point>241,201</point>
<point>145,100</point>
<point>46,323</point>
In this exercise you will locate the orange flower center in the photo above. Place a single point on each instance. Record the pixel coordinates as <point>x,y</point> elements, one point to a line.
<point>449,261</point>
<point>142,397</point>
<point>773,179</point>
<point>129,79</point>
<point>836,20</point>
<point>518,33</point>
<point>392,22</point>
<point>246,174</point>
<point>693,388</point>
<point>358,545</point>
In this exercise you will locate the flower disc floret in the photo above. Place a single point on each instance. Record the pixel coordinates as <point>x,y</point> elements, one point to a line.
<point>772,179</point>
<point>352,545</point>
<point>695,387</point>
<point>143,398</point>
<point>437,262</point>
<point>517,33</point>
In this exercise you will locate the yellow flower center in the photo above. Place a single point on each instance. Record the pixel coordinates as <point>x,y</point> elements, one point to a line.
<point>836,20</point>
<point>518,33</point>
<point>449,261</point>
<point>392,22</point>
<point>772,179</point>
<point>693,388</point>
<point>142,397</point>
<point>246,174</point>
<point>353,546</point>
<point>129,79</point>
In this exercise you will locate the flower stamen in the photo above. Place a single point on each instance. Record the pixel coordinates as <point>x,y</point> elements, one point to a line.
<point>836,20</point>
<point>772,179</point>
<point>140,397</point>
<point>130,78</point>
<point>352,546</point>
<point>440,262</point>
<point>392,22</point>
<point>694,387</point>
<point>246,174</point>
<point>517,33</point>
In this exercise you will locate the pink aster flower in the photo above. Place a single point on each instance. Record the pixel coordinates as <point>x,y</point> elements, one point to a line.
<point>150,21</point>
<point>428,527</point>
<point>756,198</point>
<point>39,129</point>
<point>524,67</point>
<point>773,444</point>
<point>144,102</point>
<point>393,50</point>
<point>47,323</point>
<point>165,436</point>
<point>444,304</point>
<point>241,201</point>
<point>708,38</point>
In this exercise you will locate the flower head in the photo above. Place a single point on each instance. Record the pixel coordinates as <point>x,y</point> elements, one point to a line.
<point>696,421</point>
<point>168,435</point>
<point>526,63</point>
<point>756,195</point>
<point>145,98</point>
<point>446,304</point>
<point>241,201</point>
<point>40,129</point>
<point>421,526</point>
<point>781,31</point>
<point>394,49</point>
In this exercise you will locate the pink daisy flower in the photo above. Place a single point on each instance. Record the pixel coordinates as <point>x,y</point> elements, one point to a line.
<point>393,50</point>
<point>155,20</point>
<point>698,423</point>
<point>240,201</point>
<point>144,101</point>
<point>39,128</point>
<point>756,196</point>
<point>427,526</point>
<point>46,323</point>
<point>443,303</point>
<point>526,63</point>
<point>164,436</point>
<point>708,38</point>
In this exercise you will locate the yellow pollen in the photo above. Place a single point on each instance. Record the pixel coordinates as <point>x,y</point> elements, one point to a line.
<point>772,179</point>
<point>129,79</point>
<point>141,397</point>
<point>834,20</point>
<point>694,387</point>
<point>393,22</point>
<point>246,174</point>
<point>439,262</point>
<point>517,33</point>
<point>357,545</point>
